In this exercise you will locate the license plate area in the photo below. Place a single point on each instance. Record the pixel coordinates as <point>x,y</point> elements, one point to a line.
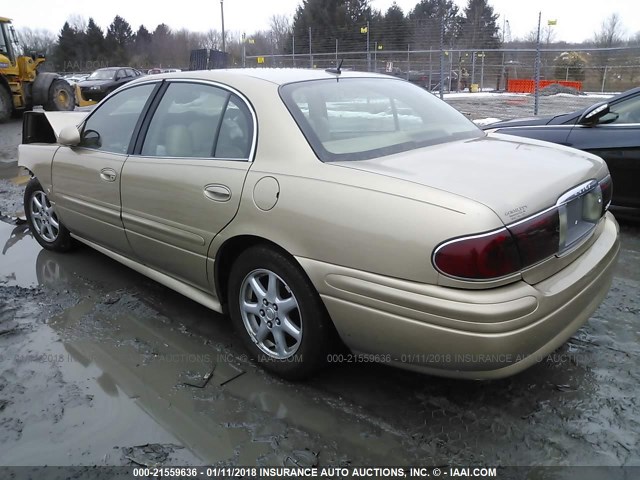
<point>579,212</point>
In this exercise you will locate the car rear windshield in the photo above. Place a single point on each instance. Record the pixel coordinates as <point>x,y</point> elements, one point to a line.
<point>362,118</point>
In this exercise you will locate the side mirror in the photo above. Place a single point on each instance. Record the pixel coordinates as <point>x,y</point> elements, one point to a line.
<point>69,136</point>
<point>593,114</point>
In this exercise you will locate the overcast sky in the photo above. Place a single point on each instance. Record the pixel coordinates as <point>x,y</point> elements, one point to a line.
<point>577,19</point>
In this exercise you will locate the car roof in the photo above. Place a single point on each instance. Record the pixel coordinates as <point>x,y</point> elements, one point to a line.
<point>278,76</point>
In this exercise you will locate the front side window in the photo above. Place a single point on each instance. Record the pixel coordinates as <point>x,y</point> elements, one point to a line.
<point>110,127</point>
<point>361,118</point>
<point>197,120</point>
<point>625,111</point>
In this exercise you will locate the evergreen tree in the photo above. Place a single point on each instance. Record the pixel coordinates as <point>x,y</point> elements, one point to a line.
<point>118,40</point>
<point>479,26</point>
<point>142,47</point>
<point>95,43</point>
<point>160,43</point>
<point>395,35</point>
<point>426,19</point>
<point>330,20</point>
<point>66,52</point>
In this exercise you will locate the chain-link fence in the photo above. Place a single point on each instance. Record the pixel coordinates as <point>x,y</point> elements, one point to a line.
<point>595,70</point>
<point>568,71</point>
<point>454,51</point>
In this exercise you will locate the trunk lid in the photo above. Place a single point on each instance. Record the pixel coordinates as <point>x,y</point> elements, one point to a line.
<point>515,177</point>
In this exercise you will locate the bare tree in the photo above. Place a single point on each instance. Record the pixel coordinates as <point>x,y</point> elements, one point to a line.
<point>212,39</point>
<point>610,35</point>
<point>547,35</point>
<point>37,41</point>
<point>611,32</point>
<point>280,32</point>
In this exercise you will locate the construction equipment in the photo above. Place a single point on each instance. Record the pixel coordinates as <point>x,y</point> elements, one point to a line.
<point>21,85</point>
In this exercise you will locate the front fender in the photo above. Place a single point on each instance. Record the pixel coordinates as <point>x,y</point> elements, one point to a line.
<point>38,159</point>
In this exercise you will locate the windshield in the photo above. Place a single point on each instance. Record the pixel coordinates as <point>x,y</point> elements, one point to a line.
<point>4,39</point>
<point>362,118</point>
<point>102,75</point>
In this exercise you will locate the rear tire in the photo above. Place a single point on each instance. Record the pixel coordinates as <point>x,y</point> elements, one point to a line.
<point>6,104</point>
<point>284,325</point>
<point>61,97</point>
<point>43,221</point>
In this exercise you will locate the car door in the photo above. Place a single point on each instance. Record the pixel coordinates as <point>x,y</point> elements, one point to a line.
<point>616,138</point>
<point>86,178</point>
<point>184,183</point>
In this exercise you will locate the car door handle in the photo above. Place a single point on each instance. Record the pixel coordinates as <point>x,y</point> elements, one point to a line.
<point>217,193</point>
<point>108,174</point>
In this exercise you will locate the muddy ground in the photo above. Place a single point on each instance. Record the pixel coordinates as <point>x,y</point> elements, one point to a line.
<point>101,366</point>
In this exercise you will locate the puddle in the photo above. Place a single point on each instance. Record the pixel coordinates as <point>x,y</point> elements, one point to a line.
<point>18,256</point>
<point>100,365</point>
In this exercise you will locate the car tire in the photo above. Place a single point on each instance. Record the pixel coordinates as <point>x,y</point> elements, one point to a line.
<point>269,319</point>
<point>43,221</point>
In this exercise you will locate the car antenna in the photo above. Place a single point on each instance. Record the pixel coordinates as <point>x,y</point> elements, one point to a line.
<point>337,70</point>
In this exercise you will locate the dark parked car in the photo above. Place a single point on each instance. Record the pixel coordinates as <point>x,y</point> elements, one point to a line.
<point>609,129</point>
<point>105,80</point>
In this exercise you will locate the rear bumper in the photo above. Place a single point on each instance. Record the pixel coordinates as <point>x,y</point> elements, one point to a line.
<point>466,333</point>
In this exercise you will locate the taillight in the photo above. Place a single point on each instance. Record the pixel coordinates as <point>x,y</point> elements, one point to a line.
<point>538,237</point>
<point>479,257</point>
<point>606,187</point>
<point>524,243</point>
<point>501,252</point>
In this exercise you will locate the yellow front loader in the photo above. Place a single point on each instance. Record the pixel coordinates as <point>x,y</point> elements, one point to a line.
<point>21,85</point>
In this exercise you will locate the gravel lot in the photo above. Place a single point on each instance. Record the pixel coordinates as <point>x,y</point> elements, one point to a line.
<point>101,366</point>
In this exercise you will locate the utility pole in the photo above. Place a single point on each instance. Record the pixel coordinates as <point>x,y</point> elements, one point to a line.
<point>368,51</point>
<point>244,50</point>
<point>310,51</point>
<point>537,69</point>
<point>375,57</point>
<point>293,49</point>
<point>502,72</point>
<point>442,53</point>
<point>222,15</point>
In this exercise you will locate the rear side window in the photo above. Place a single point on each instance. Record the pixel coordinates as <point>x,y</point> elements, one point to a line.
<point>361,118</point>
<point>201,121</point>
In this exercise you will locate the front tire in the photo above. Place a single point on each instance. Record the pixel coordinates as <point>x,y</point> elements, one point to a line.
<point>6,104</point>
<point>62,97</point>
<point>278,313</point>
<point>44,223</point>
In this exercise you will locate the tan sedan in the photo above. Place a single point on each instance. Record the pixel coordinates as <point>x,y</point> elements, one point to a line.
<point>314,206</point>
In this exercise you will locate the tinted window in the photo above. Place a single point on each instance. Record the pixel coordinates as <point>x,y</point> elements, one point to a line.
<point>360,118</point>
<point>110,127</point>
<point>236,131</point>
<point>626,111</point>
<point>189,119</point>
